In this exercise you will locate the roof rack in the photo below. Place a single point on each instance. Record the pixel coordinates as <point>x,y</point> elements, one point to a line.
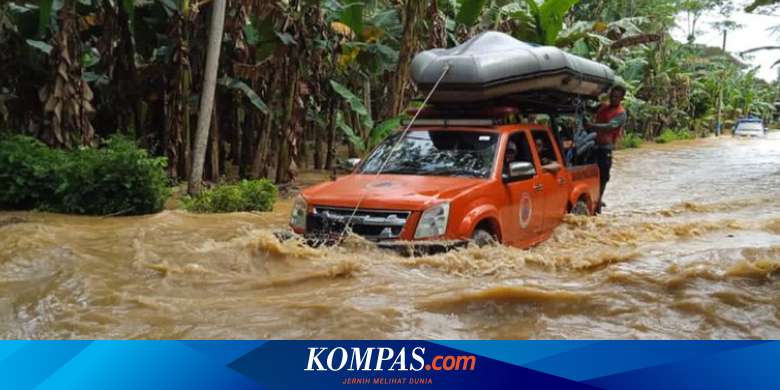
<point>462,116</point>
<point>446,122</point>
<point>463,111</point>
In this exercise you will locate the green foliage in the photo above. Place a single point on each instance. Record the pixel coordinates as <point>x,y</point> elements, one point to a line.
<point>354,103</point>
<point>388,22</point>
<point>377,134</point>
<point>469,11</point>
<point>685,134</point>
<point>551,15</point>
<point>118,178</point>
<point>669,135</point>
<point>44,47</point>
<point>248,195</point>
<point>631,141</point>
<point>352,15</point>
<point>44,16</point>
<point>241,86</point>
<point>29,173</point>
<point>349,133</point>
<point>382,130</point>
<point>357,43</point>
<point>543,23</point>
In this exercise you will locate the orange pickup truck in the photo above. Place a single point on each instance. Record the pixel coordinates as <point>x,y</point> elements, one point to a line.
<point>453,182</point>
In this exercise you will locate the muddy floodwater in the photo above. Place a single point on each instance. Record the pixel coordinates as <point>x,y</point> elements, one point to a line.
<point>689,247</point>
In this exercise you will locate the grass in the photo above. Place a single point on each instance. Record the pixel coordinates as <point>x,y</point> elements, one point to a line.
<point>669,135</point>
<point>631,141</point>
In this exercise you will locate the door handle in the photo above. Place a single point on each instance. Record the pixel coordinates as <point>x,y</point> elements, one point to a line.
<point>562,182</point>
<point>538,187</point>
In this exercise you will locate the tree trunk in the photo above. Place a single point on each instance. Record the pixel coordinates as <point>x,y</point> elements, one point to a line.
<point>303,153</point>
<point>367,104</point>
<point>177,101</point>
<point>349,119</point>
<point>318,135</point>
<point>258,164</point>
<point>68,98</point>
<point>126,75</point>
<point>285,144</point>
<point>185,154</point>
<point>214,149</point>
<point>247,143</point>
<point>207,96</point>
<point>232,130</point>
<point>330,147</point>
<point>409,43</point>
<point>261,151</point>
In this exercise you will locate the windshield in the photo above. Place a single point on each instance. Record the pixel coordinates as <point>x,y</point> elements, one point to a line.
<point>750,126</point>
<point>436,153</point>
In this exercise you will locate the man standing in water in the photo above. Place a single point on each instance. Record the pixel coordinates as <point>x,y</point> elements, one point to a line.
<point>609,121</point>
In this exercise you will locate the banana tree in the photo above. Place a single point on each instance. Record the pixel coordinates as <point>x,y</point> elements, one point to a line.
<point>532,22</point>
<point>366,141</point>
<point>368,64</point>
<point>546,21</point>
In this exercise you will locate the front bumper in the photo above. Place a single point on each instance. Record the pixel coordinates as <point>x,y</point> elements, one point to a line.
<point>404,248</point>
<point>420,248</point>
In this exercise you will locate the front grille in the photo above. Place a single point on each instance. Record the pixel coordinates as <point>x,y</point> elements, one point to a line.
<point>369,224</point>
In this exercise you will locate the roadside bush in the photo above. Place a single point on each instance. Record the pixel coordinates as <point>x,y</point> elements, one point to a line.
<point>666,136</point>
<point>118,178</point>
<point>684,134</point>
<point>28,173</point>
<point>669,135</point>
<point>630,141</point>
<point>247,195</point>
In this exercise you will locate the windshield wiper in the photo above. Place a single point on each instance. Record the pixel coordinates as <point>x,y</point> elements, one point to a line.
<point>454,172</point>
<point>394,172</point>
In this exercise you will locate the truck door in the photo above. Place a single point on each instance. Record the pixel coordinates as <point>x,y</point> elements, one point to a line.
<point>523,214</point>
<point>553,186</point>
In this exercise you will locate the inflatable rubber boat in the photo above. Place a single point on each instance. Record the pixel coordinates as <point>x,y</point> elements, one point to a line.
<point>493,65</point>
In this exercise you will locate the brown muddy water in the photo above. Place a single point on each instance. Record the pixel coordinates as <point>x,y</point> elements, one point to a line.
<point>689,248</point>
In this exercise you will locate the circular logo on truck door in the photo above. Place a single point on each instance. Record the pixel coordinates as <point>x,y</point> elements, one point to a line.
<point>526,209</point>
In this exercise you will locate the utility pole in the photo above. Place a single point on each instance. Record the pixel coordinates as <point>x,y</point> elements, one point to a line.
<point>718,125</point>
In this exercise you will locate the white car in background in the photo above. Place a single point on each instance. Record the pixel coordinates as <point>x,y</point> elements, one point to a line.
<point>750,128</point>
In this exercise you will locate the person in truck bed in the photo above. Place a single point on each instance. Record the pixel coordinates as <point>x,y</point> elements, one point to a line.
<point>608,123</point>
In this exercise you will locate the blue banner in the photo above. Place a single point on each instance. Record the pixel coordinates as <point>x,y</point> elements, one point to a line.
<point>277,365</point>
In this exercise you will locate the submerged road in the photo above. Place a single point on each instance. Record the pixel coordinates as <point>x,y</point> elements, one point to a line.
<point>689,247</point>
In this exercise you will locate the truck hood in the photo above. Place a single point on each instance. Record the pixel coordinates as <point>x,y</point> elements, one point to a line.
<point>389,192</point>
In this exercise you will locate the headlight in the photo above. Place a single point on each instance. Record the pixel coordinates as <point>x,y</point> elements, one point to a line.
<point>298,215</point>
<point>433,221</point>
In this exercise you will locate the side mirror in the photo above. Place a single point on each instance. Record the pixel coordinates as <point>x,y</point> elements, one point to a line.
<point>520,170</point>
<point>350,164</point>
